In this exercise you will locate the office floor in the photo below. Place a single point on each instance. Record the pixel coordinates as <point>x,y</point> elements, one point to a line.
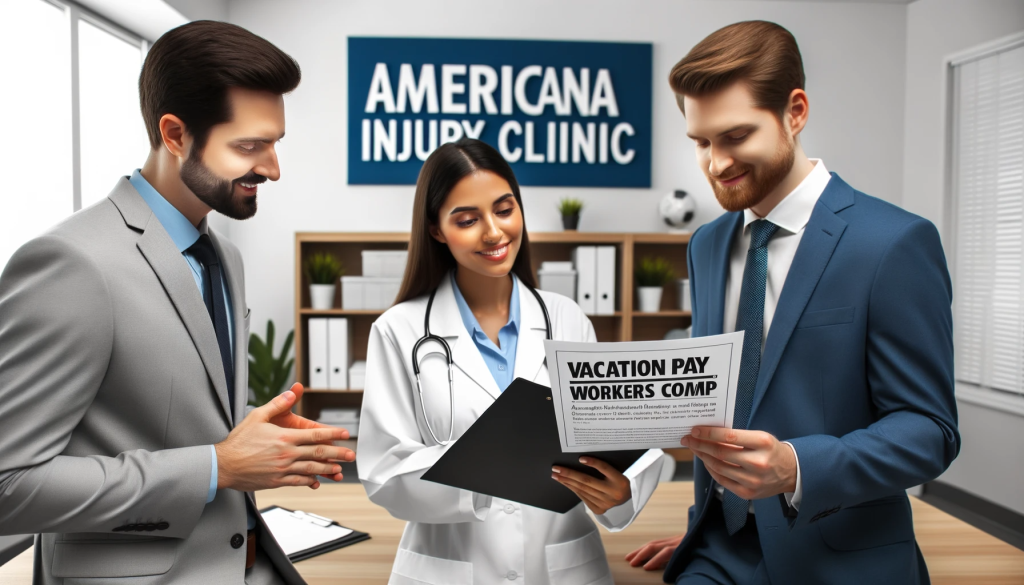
<point>1000,523</point>
<point>996,521</point>
<point>954,551</point>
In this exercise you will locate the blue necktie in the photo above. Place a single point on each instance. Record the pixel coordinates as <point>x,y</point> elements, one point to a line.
<point>750,319</point>
<point>213,278</point>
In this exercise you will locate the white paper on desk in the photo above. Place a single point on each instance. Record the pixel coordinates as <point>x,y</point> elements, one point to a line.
<point>641,394</point>
<point>296,534</point>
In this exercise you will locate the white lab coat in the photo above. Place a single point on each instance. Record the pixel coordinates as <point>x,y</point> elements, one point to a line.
<point>454,536</point>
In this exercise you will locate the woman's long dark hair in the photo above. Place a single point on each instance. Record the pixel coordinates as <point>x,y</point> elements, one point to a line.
<point>430,260</point>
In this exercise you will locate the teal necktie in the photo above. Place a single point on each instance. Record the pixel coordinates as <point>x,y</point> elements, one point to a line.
<point>750,319</point>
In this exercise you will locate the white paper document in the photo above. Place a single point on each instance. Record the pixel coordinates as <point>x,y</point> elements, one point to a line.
<point>641,394</point>
<point>298,531</point>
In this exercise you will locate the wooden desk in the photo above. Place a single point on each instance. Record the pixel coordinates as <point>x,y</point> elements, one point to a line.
<point>955,551</point>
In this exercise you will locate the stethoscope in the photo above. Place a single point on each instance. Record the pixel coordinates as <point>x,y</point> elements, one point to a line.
<point>448,356</point>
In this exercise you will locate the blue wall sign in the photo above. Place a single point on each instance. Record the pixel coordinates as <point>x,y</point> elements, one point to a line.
<point>571,114</point>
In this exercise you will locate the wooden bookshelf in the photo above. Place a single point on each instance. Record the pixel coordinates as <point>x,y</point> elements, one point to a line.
<point>626,324</point>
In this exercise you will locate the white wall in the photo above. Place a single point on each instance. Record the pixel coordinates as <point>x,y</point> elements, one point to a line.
<point>989,464</point>
<point>853,59</point>
<point>201,9</point>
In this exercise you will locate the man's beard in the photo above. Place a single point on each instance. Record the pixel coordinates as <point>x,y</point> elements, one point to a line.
<point>760,182</point>
<point>218,193</point>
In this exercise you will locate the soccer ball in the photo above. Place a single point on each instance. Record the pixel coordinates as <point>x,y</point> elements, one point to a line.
<point>677,209</point>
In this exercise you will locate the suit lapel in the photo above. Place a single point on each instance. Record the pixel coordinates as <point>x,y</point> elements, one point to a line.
<point>530,352</point>
<point>446,321</point>
<point>233,268</point>
<point>819,241</point>
<point>722,242</point>
<point>166,261</point>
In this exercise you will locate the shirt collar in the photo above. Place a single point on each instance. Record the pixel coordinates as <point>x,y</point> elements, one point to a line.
<point>469,319</point>
<point>181,230</point>
<point>793,212</point>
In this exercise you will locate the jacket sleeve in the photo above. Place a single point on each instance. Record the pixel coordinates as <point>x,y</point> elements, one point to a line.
<point>56,340</point>
<point>909,361</point>
<point>694,332</point>
<point>393,454</point>
<point>643,478</point>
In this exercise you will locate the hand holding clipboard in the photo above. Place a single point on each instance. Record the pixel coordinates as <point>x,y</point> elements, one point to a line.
<point>509,451</point>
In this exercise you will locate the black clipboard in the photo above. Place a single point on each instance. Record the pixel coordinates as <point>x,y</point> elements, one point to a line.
<point>351,538</point>
<point>509,451</point>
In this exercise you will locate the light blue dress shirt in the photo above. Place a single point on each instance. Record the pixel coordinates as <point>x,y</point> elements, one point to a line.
<point>501,361</point>
<point>184,234</point>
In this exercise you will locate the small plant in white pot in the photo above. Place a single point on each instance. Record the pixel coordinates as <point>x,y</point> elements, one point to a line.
<point>652,274</point>
<point>323,270</point>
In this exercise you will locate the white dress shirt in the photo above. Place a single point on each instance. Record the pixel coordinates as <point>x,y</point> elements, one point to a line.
<point>791,215</point>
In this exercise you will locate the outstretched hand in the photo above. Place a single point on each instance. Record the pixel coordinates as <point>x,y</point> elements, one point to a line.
<point>272,447</point>
<point>655,554</point>
<point>290,420</point>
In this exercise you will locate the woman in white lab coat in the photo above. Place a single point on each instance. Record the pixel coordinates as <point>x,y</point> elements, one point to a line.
<point>469,242</point>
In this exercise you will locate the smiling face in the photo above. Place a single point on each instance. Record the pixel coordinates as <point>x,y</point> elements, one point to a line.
<point>482,224</point>
<point>744,151</point>
<point>238,154</point>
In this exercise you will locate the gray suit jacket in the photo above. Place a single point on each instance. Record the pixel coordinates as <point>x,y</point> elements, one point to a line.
<point>111,391</point>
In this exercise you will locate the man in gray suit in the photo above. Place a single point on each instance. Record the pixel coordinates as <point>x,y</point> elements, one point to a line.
<point>123,342</point>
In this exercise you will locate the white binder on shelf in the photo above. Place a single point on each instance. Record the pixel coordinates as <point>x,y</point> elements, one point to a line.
<point>318,377</point>
<point>585,259</point>
<point>339,354</point>
<point>605,289</point>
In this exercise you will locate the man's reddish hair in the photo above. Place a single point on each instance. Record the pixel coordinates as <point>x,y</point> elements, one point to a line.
<point>761,54</point>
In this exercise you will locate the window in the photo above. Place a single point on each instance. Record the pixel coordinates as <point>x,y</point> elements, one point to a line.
<point>113,139</point>
<point>987,186</point>
<point>72,123</point>
<point>37,191</point>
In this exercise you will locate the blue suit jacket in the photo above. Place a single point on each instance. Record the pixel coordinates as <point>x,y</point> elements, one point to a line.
<point>857,374</point>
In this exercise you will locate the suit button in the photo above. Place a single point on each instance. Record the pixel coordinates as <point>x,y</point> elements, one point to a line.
<point>163,526</point>
<point>511,575</point>
<point>509,508</point>
<point>237,541</point>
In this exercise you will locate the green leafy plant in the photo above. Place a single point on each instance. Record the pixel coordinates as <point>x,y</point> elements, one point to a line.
<point>653,272</point>
<point>323,268</point>
<point>570,206</point>
<point>268,374</point>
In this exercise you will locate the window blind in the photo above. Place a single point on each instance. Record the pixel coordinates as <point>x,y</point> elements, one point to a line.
<point>988,190</point>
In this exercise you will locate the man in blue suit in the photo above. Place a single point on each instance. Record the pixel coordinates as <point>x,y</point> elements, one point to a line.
<point>845,394</point>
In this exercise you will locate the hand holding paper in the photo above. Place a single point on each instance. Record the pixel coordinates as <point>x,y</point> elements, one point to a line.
<point>750,464</point>
<point>641,394</point>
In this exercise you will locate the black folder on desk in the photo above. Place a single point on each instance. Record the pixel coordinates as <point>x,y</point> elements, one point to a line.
<point>509,451</point>
<point>304,536</point>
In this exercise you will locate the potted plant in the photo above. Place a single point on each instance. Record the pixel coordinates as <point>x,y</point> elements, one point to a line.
<point>570,209</point>
<point>268,374</point>
<point>323,270</point>
<point>651,275</point>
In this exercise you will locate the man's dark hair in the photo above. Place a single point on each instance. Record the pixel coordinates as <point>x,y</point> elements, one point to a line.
<point>190,69</point>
